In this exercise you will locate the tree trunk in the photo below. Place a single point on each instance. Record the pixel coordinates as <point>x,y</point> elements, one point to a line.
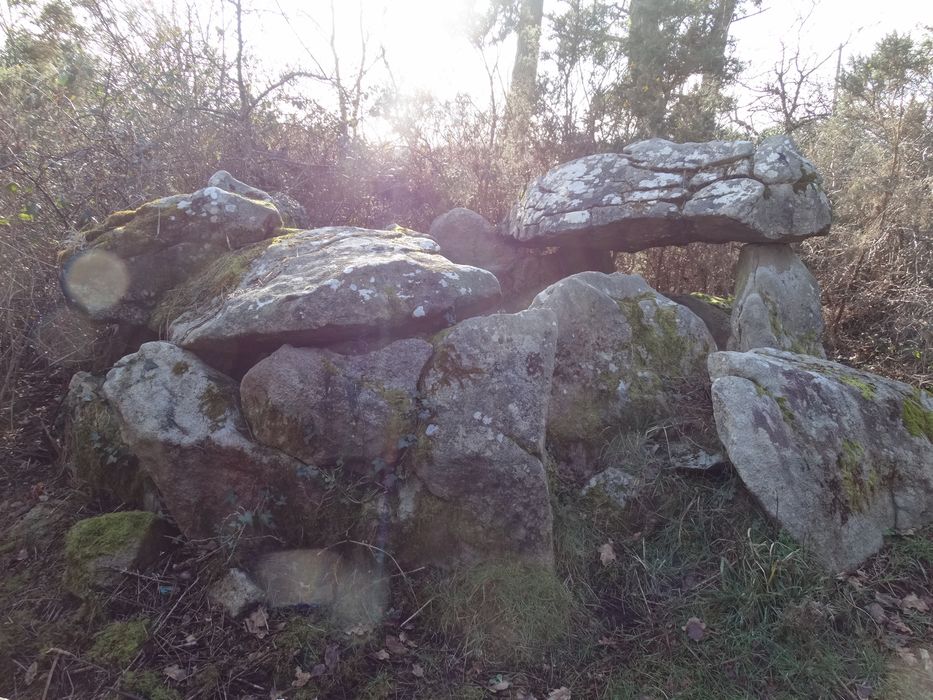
<point>523,90</point>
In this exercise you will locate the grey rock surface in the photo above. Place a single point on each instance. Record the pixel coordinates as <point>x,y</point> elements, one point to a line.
<point>137,256</point>
<point>326,285</point>
<point>716,316</point>
<point>325,408</point>
<point>182,420</point>
<point>481,490</point>
<point>837,456</point>
<point>777,302</point>
<point>623,352</point>
<point>235,592</point>
<point>467,238</point>
<point>96,454</point>
<point>658,193</point>
<point>226,181</point>
<point>351,588</point>
<point>612,483</point>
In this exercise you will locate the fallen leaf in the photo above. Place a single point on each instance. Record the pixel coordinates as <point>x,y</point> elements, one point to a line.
<point>190,640</point>
<point>417,671</point>
<point>912,602</point>
<point>695,629</point>
<point>301,678</point>
<point>886,600</point>
<point>175,672</point>
<point>497,684</point>
<point>895,622</point>
<point>561,693</point>
<point>877,613</point>
<point>382,655</point>
<point>31,673</point>
<point>258,622</point>
<point>22,555</point>
<point>395,647</point>
<point>607,554</point>
<point>331,656</point>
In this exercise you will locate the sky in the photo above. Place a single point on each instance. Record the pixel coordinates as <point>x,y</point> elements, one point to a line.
<point>428,50</point>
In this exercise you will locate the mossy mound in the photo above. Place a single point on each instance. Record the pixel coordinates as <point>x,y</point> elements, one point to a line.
<point>97,549</point>
<point>119,642</point>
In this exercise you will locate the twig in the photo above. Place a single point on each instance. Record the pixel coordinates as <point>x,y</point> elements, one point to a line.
<point>48,681</point>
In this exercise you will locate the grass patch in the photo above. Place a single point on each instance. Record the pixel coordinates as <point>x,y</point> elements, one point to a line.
<point>695,547</point>
<point>505,612</point>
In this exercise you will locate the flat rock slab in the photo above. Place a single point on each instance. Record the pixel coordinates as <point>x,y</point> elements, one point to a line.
<point>659,193</point>
<point>837,456</point>
<point>323,286</point>
<point>351,587</point>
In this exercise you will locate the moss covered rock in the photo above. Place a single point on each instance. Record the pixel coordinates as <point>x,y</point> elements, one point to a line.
<point>118,643</point>
<point>333,284</point>
<point>624,352</point>
<point>99,549</point>
<point>96,453</point>
<point>137,256</point>
<point>182,420</point>
<point>658,193</point>
<point>838,456</point>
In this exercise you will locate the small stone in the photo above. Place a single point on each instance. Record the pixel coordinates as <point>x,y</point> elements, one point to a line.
<point>235,592</point>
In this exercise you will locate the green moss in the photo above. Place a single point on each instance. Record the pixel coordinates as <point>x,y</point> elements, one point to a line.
<point>859,488</point>
<point>214,403</point>
<point>106,534</point>
<point>100,457</point>
<point>781,401</point>
<point>211,283</point>
<point>785,408</point>
<point>724,303</point>
<point>866,389</point>
<point>119,642</point>
<point>661,347</point>
<point>917,419</point>
<point>401,409</point>
<point>180,368</point>
<point>90,539</point>
<point>149,685</point>
<point>505,612</point>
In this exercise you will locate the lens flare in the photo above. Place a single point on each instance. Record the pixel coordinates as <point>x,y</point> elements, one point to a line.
<point>96,280</point>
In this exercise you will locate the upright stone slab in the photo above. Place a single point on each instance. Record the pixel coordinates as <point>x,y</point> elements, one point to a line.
<point>839,457</point>
<point>325,408</point>
<point>658,193</point>
<point>623,352</point>
<point>777,302</point>
<point>479,489</point>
